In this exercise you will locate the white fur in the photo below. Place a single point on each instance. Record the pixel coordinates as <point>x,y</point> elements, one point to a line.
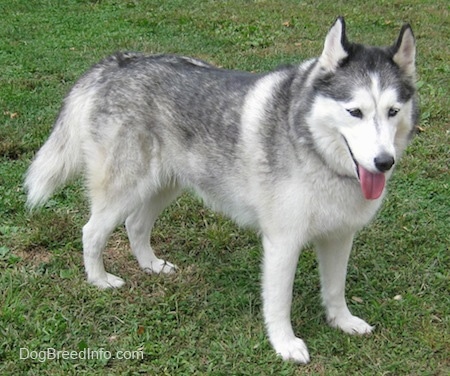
<point>367,137</point>
<point>406,55</point>
<point>133,173</point>
<point>61,166</point>
<point>333,51</point>
<point>294,212</point>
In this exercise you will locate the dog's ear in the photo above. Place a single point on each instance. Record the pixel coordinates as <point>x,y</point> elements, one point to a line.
<point>334,50</point>
<point>404,51</point>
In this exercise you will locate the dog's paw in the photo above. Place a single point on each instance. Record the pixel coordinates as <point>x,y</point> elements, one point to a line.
<point>159,267</point>
<point>294,350</point>
<point>108,282</point>
<point>351,324</point>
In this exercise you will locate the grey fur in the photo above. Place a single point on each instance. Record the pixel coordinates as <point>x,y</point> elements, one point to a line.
<point>299,153</point>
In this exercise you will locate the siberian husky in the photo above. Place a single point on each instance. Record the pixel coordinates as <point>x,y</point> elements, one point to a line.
<point>302,154</point>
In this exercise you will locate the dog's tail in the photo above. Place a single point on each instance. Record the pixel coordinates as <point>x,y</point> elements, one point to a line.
<point>61,157</point>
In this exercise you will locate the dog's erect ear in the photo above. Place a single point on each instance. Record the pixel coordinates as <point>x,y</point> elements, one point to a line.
<point>404,51</point>
<point>334,49</point>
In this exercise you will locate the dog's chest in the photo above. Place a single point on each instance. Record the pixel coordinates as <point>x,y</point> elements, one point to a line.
<point>322,206</point>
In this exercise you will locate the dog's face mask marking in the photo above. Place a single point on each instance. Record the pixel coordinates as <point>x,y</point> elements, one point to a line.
<point>369,100</point>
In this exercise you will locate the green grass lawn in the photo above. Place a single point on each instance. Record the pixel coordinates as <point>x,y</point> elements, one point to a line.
<point>207,319</point>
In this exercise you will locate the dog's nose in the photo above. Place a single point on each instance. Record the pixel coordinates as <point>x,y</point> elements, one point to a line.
<point>384,162</point>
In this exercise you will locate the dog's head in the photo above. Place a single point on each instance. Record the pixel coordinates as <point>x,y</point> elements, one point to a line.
<point>365,109</point>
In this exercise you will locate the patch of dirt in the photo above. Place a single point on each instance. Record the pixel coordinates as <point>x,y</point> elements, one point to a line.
<point>35,256</point>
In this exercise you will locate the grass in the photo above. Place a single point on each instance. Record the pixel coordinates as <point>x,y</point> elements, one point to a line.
<point>206,320</point>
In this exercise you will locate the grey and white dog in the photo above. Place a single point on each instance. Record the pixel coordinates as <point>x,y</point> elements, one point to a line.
<point>302,154</point>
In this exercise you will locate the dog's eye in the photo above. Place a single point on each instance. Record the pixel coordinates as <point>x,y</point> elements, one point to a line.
<point>393,111</point>
<point>355,112</point>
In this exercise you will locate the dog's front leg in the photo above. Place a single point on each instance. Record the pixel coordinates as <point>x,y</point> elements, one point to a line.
<point>279,266</point>
<point>333,253</point>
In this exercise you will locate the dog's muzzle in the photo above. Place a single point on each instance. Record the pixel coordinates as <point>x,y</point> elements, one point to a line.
<point>372,183</point>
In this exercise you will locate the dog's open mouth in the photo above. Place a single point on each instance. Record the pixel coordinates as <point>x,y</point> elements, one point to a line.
<point>372,184</point>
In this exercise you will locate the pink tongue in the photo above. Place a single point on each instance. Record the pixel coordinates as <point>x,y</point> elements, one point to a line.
<point>372,185</point>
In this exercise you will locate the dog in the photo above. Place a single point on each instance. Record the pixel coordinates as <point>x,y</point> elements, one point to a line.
<point>302,154</point>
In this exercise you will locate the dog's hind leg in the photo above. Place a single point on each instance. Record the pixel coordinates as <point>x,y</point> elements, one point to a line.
<point>95,235</point>
<point>139,225</point>
<point>333,254</point>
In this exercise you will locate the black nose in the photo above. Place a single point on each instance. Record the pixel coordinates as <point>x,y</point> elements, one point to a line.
<point>384,162</point>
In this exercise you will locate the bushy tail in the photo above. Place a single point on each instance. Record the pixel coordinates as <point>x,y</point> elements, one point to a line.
<point>57,161</point>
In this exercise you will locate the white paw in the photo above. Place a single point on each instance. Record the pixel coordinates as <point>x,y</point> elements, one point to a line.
<point>108,282</point>
<point>351,324</point>
<point>293,350</point>
<point>159,266</point>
